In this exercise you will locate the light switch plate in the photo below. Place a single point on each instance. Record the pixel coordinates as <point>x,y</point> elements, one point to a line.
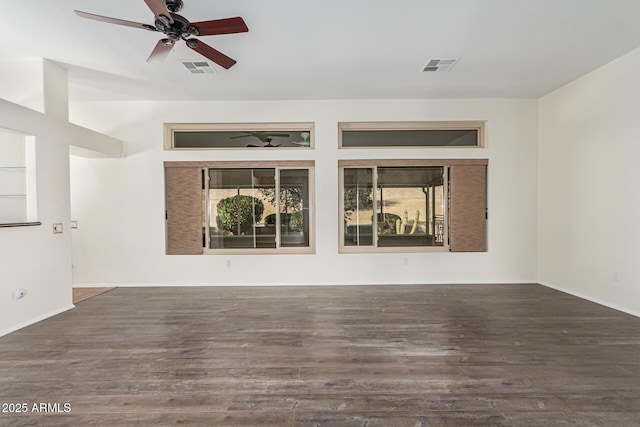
<point>74,224</point>
<point>57,228</point>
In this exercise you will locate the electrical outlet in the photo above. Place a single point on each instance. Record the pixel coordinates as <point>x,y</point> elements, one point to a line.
<point>57,228</point>
<point>227,263</point>
<point>406,261</point>
<point>19,293</point>
<point>74,224</point>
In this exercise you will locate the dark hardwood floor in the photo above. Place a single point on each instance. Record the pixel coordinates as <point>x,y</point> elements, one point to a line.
<point>457,355</point>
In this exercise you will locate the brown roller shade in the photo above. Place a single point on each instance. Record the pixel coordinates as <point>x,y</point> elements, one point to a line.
<point>467,208</point>
<point>184,210</point>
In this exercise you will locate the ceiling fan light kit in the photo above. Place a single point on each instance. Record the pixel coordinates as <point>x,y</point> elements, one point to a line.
<point>305,140</point>
<point>176,27</point>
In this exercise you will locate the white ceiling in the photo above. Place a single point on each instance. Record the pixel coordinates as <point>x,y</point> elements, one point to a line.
<point>347,49</point>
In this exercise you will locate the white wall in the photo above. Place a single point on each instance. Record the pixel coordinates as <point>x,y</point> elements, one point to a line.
<point>589,197</point>
<point>120,203</point>
<point>33,258</point>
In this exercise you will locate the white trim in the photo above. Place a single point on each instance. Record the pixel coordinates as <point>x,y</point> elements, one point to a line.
<point>35,320</point>
<point>594,300</point>
<point>302,284</point>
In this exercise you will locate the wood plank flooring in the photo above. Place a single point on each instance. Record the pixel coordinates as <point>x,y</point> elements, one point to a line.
<point>456,355</point>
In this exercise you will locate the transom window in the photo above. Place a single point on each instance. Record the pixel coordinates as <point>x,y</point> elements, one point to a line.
<point>411,134</point>
<point>239,136</point>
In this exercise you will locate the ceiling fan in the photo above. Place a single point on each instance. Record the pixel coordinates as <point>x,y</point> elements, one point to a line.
<point>176,27</point>
<point>264,137</point>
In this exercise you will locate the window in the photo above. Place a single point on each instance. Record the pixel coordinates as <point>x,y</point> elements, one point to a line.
<point>411,134</point>
<point>258,208</point>
<point>394,207</point>
<point>18,202</point>
<point>239,207</point>
<point>207,136</point>
<point>412,205</point>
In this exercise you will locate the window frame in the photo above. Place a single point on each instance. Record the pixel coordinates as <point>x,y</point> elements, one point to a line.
<point>171,128</point>
<point>203,167</point>
<point>477,125</point>
<point>374,248</point>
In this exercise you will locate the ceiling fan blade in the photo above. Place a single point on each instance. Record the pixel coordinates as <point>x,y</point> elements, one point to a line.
<point>254,146</point>
<point>159,9</point>
<point>210,53</point>
<point>221,26</point>
<point>260,135</point>
<point>114,21</point>
<point>161,51</point>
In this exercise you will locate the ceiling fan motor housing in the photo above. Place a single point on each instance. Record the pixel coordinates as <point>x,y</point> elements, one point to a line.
<point>180,28</point>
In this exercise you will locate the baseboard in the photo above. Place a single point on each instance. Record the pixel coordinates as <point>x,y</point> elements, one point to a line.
<point>588,298</point>
<point>174,285</point>
<point>30,322</point>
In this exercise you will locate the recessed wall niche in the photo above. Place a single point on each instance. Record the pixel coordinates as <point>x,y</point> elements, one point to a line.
<point>18,197</point>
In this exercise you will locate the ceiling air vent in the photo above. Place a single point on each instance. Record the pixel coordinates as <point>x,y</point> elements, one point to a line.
<point>440,65</point>
<point>198,67</point>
